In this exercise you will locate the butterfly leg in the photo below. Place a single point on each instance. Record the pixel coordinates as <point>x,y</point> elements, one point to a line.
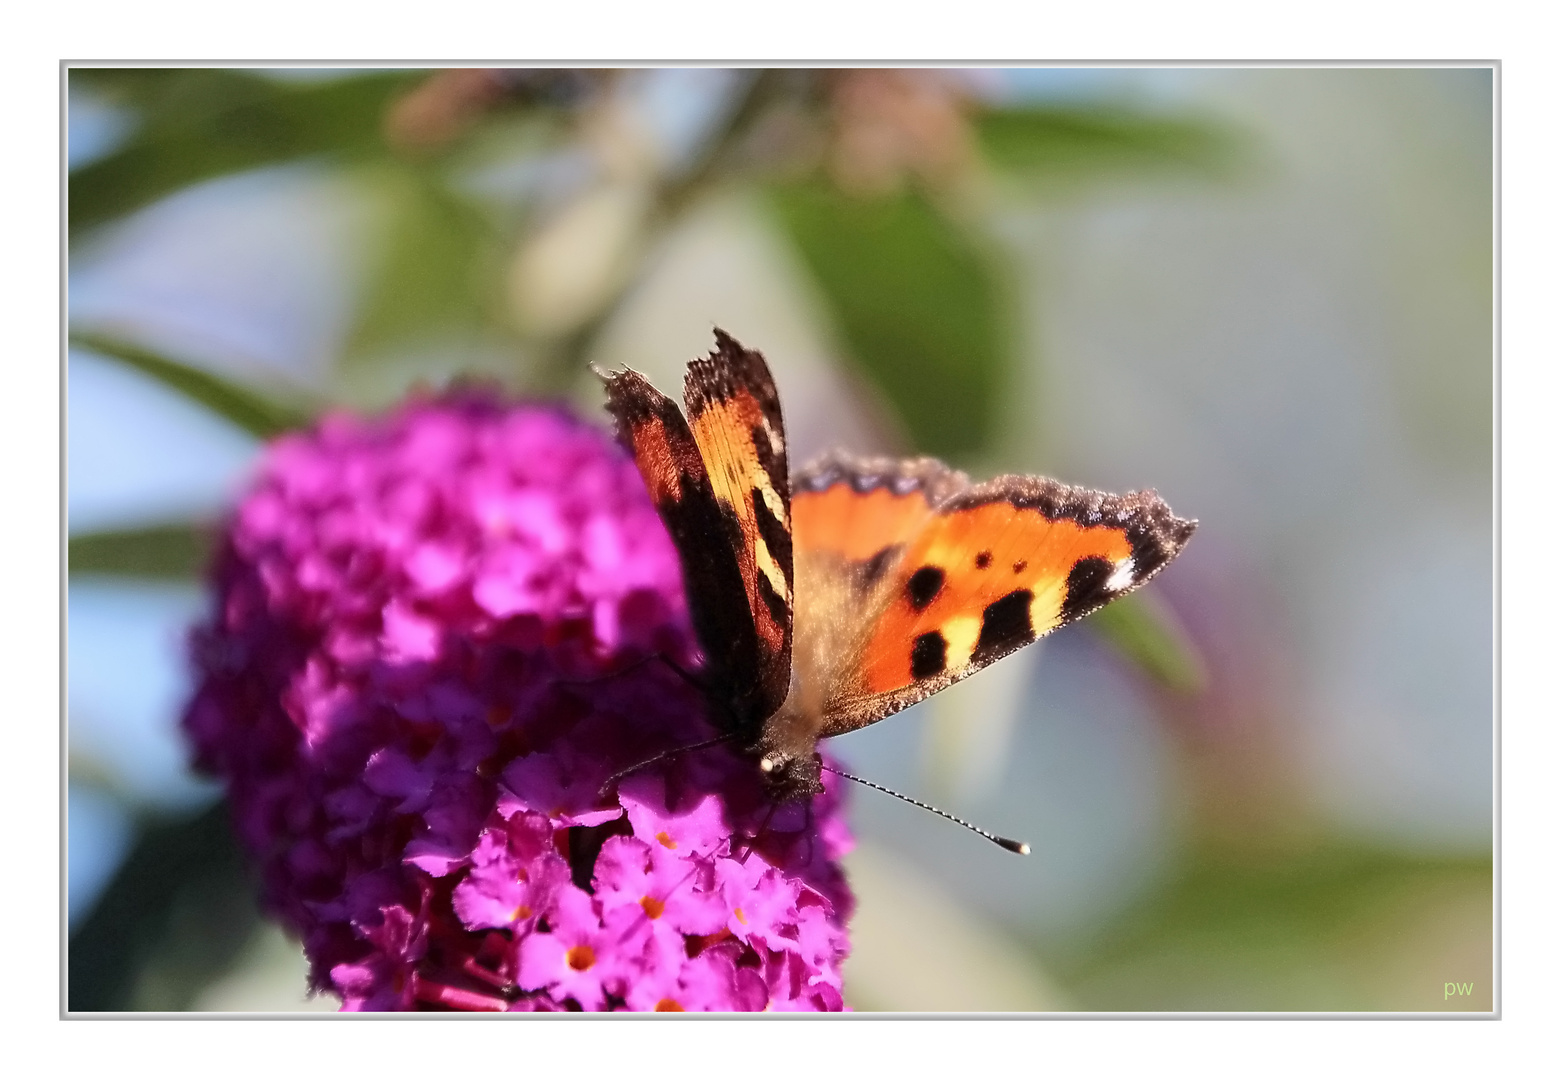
<point>676,750</point>
<point>677,669</point>
<point>756,837</point>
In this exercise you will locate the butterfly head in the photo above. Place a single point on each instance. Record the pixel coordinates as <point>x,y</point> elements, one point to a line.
<point>788,776</point>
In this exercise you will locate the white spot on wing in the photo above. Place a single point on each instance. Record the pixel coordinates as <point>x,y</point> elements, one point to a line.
<point>1122,577</point>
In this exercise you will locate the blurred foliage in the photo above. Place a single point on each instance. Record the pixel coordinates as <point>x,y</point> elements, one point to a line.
<point>438,266</point>
<point>1063,142</point>
<point>250,410</point>
<point>1306,929</point>
<point>193,124</point>
<point>176,552</point>
<point>909,270</point>
<point>919,300</point>
<point>172,919</point>
<point>1149,641</point>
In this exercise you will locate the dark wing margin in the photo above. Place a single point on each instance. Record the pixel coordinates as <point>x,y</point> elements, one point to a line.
<point>732,376</point>
<point>928,477</point>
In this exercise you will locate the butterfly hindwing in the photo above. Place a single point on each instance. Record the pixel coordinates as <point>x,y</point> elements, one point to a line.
<point>862,508</point>
<point>855,519</point>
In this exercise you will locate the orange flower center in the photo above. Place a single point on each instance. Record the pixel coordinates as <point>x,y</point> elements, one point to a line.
<point>652,906</point>
<point>581,957</point>
<point>667,841</point>
<point>668,1005</point>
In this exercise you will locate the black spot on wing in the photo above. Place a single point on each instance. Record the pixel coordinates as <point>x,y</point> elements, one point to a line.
<point>1019,566</point>
<point>1086,587</point>
<point>924,586</point>
<point>983,560</point>
<point>1005,625</point>
<point>929,655</point>
<point>1156,535</point>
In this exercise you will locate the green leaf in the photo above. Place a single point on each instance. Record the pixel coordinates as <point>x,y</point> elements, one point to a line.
<point>919,301</point>
<point>436,263</point>
<point>172,919</point>
<point>1151,642</point>
<point>175,551</point>
<point>1071,141</point>
<point>194,124</point>
<point>1285,926</point>
<point>250,410</point>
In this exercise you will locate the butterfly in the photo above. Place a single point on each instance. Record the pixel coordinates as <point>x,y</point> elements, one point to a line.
<point>826,601</point>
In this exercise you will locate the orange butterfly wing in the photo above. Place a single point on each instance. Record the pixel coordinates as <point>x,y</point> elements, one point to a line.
<point>967,574</point>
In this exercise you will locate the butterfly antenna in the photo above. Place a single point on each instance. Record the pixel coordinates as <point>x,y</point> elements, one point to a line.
<point>601,792</point>
<point>1016,846</point>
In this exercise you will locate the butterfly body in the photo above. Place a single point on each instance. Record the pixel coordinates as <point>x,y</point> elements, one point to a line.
<point>827,601</point>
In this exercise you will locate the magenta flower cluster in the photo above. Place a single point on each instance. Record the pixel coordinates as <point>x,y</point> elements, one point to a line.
<point>435,636</point>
